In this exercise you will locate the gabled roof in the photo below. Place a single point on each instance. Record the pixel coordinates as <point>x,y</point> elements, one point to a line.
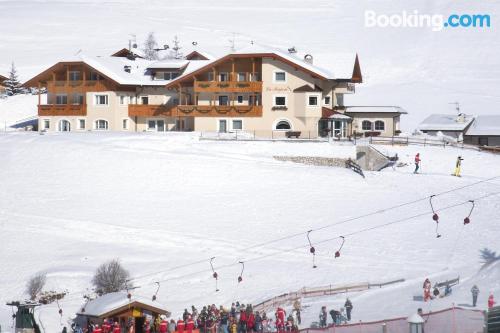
<point>375,109</point>
<point>198,55</point>
<point>126,52</point>
<point>307,88</point>
<point>328,113</point>
<point>445,122</point>
<point>485,125</point>
<point>3,78</point>
<point>112,303</point>
<point>260,51</point>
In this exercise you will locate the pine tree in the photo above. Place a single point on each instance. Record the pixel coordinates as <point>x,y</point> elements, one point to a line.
<point>150,47</point>
<point>12,84</point>
<point>176,50</point>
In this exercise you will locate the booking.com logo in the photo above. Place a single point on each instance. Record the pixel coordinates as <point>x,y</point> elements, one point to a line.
<point>415,20</point>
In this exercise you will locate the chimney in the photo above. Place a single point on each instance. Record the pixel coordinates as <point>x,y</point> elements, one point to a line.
<point>461,118</point>
<point>308,58</point>
<point>127,68</point>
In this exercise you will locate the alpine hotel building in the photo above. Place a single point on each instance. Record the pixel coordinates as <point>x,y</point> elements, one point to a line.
<point>261,90</point>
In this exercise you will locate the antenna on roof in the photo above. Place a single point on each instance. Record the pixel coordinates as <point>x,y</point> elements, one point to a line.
<point>457,106</point>
<point>132,43</point>
<point>232,42</point>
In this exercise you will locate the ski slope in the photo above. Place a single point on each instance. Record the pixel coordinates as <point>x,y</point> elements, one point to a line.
<point>416,68</point>
<point>16,108</point>
<point>70,201</point>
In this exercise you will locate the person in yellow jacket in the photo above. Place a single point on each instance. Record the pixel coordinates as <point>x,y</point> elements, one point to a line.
<point>233,327</point>
<point>458,166</point>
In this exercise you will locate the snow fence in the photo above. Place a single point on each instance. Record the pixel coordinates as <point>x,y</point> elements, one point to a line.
<point>453,320</point>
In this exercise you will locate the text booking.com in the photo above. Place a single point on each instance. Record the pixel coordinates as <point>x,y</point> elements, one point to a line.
<point>436,22</point>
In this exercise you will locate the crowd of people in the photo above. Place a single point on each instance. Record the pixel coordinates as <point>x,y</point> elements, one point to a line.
<point>339,317</point>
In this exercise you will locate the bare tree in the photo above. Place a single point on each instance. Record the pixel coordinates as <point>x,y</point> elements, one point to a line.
<point>35,285</point>
<point>150,47</point>
<point>110,277</point>
<point>176,49</point>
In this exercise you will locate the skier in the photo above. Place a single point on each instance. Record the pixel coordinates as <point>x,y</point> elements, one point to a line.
<point>322,317</point>
<point>147,327</point>
<point>280,314</point>
<point>348,308</point>
<point>335,316</point>
<point>116,328</point>
<point>296,308</point>
<point>190,324</point>
<point>417,163</point>
<point>180,325</point>
<point>171,326</point>
<point>491,301</point>
<point>250,320</point>
<point>458,166</point>
<point>475,292</point>
<point>97,329</point>
<point>427,290</point>
<point>258,322</point>
<point>242,325</point>
<point>163,327</point>
<point>223,321</point>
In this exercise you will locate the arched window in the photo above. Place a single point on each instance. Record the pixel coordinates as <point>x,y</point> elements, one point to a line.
<point>64,126</point>
<point>283,125</point>
<point>366,125</point>
<point>101,124</point>
<point>379,125</point>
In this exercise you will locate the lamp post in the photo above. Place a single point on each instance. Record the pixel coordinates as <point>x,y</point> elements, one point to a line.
<point>416,323</point>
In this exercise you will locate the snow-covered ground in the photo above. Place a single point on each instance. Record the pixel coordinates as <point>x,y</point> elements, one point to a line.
<point>71,201</point>
<point>417,68</point>
<point>16,108</point>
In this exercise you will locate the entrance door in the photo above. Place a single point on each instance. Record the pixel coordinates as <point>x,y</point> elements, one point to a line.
<point>339,129</point>
<point>64,126</point>
<point>222,126</point>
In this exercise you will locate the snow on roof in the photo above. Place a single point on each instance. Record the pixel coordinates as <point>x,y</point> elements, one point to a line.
<point>445,122</point>
<point>169,63</point>
<point>292,57</point>
<point>340,116</point>
<point>113,301</point>
<point>374,108</point>
<point>485,125</point>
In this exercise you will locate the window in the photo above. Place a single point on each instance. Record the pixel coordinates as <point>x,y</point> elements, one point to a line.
<point>279,77</point>
<point>94,76</point>
<point>210,76</point>
<point>280,100</point>
<point>223,77</point>
<point>283,125</point>
<point>64,126</point>
<point>240,99</point>
<point>312,101</point>
<point>81,124</point>
<point>222,126</point>
<point>379,125</point>
<point>174,75</point>
<point>241,77</point>
<point>237,125</point>
<point>223,100</point>
<point>74,76</point>
<point>327,100</point>
<point>156,125</point>
<point>144,100</point>
<point>101,124</point>
<point>366,125</point>
<point>77,99</point>
<point>101,99</point>
<point>340,99</point>
<point>124,100</point>
<point>46,124</point>
<point>125,124</point>
<point>61,99</point>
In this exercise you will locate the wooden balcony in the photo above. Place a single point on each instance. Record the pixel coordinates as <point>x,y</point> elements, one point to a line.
<point>219,111</point>
<point>78,86</point>
<point>62,110</point>
<point>228,86</point>
<point>148,110</point>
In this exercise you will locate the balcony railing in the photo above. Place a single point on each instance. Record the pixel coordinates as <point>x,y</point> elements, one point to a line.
<point>228,86</point>
<point>79,85</point>
<point>149,110</point>
<point>62,110</point>
<point>219,111</point>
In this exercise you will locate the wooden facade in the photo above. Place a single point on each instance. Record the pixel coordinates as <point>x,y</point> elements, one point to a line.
<point>62,110</point>
<point>142,110</point>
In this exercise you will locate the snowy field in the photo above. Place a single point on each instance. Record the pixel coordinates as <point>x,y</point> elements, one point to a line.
<point>416,68</point>
<point>69,202</point>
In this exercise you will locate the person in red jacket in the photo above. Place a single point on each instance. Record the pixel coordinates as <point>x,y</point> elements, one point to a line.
<point>106,327</point>
<point>116,328</point>
<point>250,322</point>
<point>189,325</point>
<point>281,314</point>
<point>491,301</point>
<point>242,325</point>
<point>147,327</point>
<point>97,329</point>
<point>427,290</point>
<point>417,163</point>
<point>163,326</point>
<point>180,325</point>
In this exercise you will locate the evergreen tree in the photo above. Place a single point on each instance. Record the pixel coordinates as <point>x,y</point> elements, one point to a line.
<point>12,84</point>
<point>176,49</point>
<point>150,47</point>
